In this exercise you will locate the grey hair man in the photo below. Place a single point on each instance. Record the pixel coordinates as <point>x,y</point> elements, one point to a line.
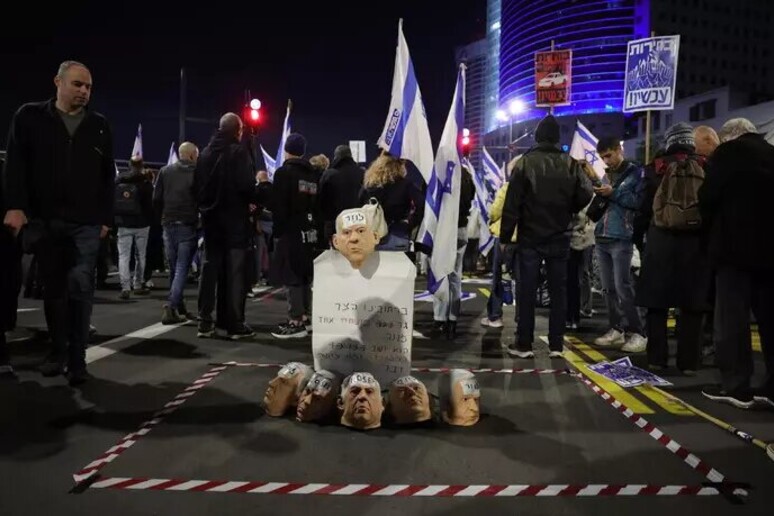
<point>68,211</point>
<point>735,202</point>
<point>173,196</point>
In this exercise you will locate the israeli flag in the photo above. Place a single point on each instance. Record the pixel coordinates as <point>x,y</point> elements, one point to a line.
<point>172,155</point>
<point>271,164</point>
<point>584,147</point>
<point>137,148</point>
<point>494,175</point>
<point>442,201</point>
<point>281,151</point>
<point>481,203</point>
<point>405,133</point>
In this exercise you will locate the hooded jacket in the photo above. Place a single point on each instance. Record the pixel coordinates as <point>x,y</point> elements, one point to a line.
<point>618,221</point>
<point>339,189</point>
<point>224,185</point>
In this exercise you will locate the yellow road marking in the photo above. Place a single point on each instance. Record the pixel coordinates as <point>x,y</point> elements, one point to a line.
<point>756,341</point>
<point>485,291</point>
<point>659,399</point>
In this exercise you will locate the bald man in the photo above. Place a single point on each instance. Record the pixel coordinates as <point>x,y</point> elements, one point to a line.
<point>173,196</point>
<point>706,139</point>
<point>224,186</point>
<point>66,194</point>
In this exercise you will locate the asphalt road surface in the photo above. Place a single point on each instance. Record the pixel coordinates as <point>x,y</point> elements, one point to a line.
<point>549,438</point>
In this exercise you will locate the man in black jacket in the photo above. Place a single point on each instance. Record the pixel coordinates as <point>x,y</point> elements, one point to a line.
<point>546,188</point>
<point>295,230</point>
<point>224,183</point>
<point>339,188</point>
<point>59,183</point>
<point>736,210</point>
<point>133,215</point>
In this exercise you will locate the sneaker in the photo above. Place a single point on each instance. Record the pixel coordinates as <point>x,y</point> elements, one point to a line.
<point>636,343</point>
<point>51,368</point>
<point>290,330</point>
<point>739,399</point>
<point>19,334</point>
<point>764,396</point>
<point>149,285</point>
<point>496,323</point>
<point>520,353</point>
<point>170,316</point>
<point>556,354</point>
<point>588,314</point>
<point>124,295</point>
<point>142,291</point>
<point>245,332</point>
<point>76,379</point>
<point>308,325</point>
<point>613,338</point>
<point>92,330</point>
<point>571,326</point>
<point>206,329</point>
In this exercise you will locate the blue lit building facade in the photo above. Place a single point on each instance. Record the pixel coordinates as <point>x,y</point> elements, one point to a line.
<point>595,30</point>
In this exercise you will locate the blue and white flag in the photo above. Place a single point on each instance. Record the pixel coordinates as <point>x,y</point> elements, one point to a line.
<point>281,151</point>
<point>651,74</point>
<point>481,203</point>
<point>494,175</point>
<point>405,133</point>
<point>271,164</point>
<point>137,148</point>
<point>442,200</point>
<point>172,155</point>
<point>584,147</point>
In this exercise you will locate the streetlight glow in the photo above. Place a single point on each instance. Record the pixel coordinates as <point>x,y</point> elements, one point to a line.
<point>516,106</point>
<point>502,115</point>
<point>255,104</point>
<point>465,132</point>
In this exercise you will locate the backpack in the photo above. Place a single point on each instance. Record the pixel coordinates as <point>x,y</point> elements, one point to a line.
<point>676,203</point>
<point>127,201</point>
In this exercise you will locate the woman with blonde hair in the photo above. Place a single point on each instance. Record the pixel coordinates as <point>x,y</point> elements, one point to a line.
<point>402,201</point>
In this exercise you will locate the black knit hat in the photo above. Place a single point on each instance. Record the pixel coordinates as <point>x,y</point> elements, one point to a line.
<point>295,144</point>
<point>547,130</point>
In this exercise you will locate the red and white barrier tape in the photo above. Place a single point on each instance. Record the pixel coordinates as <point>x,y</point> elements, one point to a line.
<point>431,369</point>
<point>401,490</point>
<point>127,442</point>
<point>673,446</point>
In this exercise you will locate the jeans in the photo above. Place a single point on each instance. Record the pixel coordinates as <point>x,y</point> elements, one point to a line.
<point>261,256</point>
<point>578,284</point>
<point>394,242</point>
<point>448,307</point>
<point>615,261</point>
<point>555,253</point>
<point>299,301</point>
<point>737,292</point>
<point>127,237</point>
<point>67,260</point>
<point>223,277</point>
<point>180,245</point>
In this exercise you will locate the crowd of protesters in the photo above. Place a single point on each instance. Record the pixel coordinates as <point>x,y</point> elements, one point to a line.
<point>694,215</point>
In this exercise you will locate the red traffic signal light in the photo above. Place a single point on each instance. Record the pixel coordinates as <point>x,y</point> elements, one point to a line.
<point>465,142</point>
<point>252,114</point>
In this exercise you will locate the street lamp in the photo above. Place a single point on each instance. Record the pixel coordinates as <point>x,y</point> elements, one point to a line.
<point>515,107</point>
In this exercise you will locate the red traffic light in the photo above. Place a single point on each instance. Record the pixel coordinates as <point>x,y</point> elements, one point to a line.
<point>254,115</point>
<point>251,117</point>
<point>465,141</point>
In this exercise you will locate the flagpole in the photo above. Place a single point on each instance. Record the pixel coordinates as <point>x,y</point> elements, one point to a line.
<point>551,106</point>
<point>181,112</point>
<point>647,122</point>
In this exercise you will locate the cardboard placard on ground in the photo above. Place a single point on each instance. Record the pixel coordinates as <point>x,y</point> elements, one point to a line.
<point>363,319</point>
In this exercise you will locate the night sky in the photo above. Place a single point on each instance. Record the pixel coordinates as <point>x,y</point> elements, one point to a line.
<point>333,59</point>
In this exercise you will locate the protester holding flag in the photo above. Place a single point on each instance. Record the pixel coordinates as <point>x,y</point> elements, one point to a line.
<point>446,308</point>
<point>546,187</point>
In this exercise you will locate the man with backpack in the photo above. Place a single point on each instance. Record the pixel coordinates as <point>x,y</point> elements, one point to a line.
<point>622,196</point>
<point>675,271</point>
<point>134,214</point>
<point>738,213</point>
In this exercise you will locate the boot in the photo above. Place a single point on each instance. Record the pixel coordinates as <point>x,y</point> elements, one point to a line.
<point>170,316</point>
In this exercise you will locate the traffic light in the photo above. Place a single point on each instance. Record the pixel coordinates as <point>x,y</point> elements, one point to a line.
<point>465,142</point>
<point>252,114</point>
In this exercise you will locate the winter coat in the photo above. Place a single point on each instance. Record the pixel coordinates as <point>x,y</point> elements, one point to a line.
<point>675,271</point>
<point>582,231</point>
<point>496,213</point>
<point>339,189</point>
<point>736,204</point>
<point>403,204</point>
<point>546,188</point>
<point>618,221</point>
